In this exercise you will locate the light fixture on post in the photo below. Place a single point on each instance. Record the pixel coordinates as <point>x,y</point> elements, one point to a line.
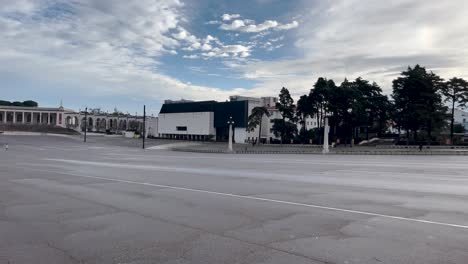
<point>230,123</point>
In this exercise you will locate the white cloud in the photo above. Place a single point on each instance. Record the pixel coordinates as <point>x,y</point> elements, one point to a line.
<point>249,26</point>
<point>210,47</point>
<point>228,17</point>
<point>96,47</point>
<point>193,56</point>
<point>291,25</point>
<point>372,39</point>
<point>224,51</point>
<point>206,47</point>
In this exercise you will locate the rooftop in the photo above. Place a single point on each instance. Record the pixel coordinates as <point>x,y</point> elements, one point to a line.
<point>27,108</point>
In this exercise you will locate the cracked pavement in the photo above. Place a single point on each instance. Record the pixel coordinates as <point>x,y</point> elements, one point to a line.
<point>63,201</point>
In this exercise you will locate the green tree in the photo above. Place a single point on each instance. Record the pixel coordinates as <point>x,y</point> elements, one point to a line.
<point>319,97</point>
<point>455,92</point>
<point>459,128</point>
<point>5,103</point>
<point>370,106</point>
<point>17,103</point>
<point>304,109</point>
<point>285,106</point>
<point>30,103</point>
<point>284,129</point>
<point>418,101</point>
<point>255,119</point>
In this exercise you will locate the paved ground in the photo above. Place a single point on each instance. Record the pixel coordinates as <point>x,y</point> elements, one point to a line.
<point>219,147</point>
<point>62,201</point>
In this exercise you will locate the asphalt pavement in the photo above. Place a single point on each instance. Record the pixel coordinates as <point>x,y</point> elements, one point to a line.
<point>109,201</point>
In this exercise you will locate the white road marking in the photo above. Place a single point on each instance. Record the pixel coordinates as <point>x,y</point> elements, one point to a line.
<point>315,159</point>
<point>271,200</point>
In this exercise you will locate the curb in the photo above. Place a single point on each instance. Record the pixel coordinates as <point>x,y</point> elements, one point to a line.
<point>399,153</point>
<point>19,133</point>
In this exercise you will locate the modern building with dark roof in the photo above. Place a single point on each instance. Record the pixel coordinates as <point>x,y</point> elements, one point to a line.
<point>207,120</point>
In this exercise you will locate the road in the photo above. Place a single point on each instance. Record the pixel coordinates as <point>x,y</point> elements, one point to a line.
<point>64,201</point>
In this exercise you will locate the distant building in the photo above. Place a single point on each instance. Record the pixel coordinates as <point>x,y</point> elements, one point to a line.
<point>33,115</point>
<point>21,117</point>
<point>461,117</point>
<point>207,120</point>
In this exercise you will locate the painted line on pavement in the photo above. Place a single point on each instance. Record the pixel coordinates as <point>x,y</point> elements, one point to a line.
<point>271,200</point>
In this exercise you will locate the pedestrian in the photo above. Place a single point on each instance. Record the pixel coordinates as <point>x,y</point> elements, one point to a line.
<point>6,146</point>
<point>420,146</point>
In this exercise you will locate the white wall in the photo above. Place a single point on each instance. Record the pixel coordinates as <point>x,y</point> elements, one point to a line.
<point>461,117</point>
<point>240,134</point>
<point>152,126</point>
<point>197,123</point>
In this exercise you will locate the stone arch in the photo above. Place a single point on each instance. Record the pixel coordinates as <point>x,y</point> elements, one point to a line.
<point>98,125</point>
<point>83,122</point>
<point>69,121</point>
<point>19,117</point>
<point>102,125</point>
<point>104,121</point>
<point>28,117</point>
<point>9,117</point>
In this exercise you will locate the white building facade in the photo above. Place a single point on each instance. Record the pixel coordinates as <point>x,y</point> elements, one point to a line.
<point>461,117</point>
<point>21,117</point>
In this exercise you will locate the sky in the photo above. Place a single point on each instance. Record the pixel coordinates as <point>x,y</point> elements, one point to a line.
<point>124,54</point>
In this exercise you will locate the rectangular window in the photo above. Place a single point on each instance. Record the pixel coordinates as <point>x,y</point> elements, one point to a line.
<point>181,128</point>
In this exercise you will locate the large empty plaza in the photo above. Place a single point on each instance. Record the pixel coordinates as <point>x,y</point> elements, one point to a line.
<point>109,201</point>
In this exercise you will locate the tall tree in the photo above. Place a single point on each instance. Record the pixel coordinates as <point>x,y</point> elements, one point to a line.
<point>456,93</point>
<point>319,95</point>
<point>418,100</point>
<point>255,119</point>
<point>303,110</point>
<point>285,106</point>
<point>369,105</point>
<point>284,129</point>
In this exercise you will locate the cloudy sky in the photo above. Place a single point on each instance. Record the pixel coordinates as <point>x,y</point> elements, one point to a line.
<point>110,53</point>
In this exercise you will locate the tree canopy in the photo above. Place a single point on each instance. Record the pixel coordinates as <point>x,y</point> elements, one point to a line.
<point>27,103</point>
<point>417,96</point>
<point>285,127</point>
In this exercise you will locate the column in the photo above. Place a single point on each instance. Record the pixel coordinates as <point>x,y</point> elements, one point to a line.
<point>4,117</point>
<point>40,118</point>
<point>23,121</point>
<point>14,117</point>
<point>48,119</point>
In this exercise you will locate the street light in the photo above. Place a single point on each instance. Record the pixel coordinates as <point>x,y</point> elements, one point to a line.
<point>86,123</point>
<point>230,122</point>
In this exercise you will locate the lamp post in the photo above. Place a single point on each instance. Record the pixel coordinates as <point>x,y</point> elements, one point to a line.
<point>143,132</point>
<point>86,123</point>
<point>230,123</point>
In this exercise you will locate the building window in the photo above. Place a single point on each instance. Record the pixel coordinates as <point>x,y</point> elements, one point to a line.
<point>181,128</point>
